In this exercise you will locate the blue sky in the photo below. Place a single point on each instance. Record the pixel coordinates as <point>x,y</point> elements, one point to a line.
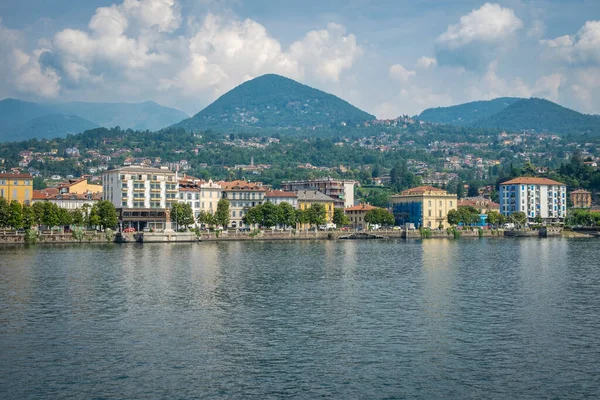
<point>387,57</point>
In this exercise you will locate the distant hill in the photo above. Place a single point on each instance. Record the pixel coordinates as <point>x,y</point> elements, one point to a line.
<point>138,116</point>
<point>516,114</point>
<point>47,127</point>
<point>273,102</point>
<point>468,113</point>
<point>23,120</point>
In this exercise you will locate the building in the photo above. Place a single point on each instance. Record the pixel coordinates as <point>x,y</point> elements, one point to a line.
<point>17,187</point>
<point>279,196</point>
<point>581,198</point>
<point>241,195</point>
<point>200,195</point>
<point>481,203</point>
<point>356,215</point>
<point>79,186</point>
<point>141,195</point>
<point>423,206</point>
<point>307,198</point>
<point>536,197</point>
<point>69,201</point>
<point>341,191</point>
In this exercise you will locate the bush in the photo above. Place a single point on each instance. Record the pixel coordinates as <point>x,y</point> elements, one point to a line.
<point>425,233</point>
<point>31,236</point>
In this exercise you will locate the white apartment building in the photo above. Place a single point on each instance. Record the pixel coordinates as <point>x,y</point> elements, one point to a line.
<point>200,195</point>
<point>535,197</point>
<point>241,195</point>
<point>140,187</point>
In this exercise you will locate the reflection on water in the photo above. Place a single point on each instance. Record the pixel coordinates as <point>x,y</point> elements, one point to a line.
<point>344,319</point>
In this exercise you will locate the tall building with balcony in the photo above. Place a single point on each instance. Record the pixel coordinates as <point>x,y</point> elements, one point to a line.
<point>17,187</point>
<point>241,195</point>
<point>423,206</point>
<point>141,194</point>
<point>581,198</point>
<point>341,191</point>
<point>536,197</point>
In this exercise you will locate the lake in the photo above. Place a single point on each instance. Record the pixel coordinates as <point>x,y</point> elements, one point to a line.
<point>463,319</point>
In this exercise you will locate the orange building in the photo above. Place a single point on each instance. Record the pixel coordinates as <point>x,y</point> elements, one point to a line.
<point>581,198</point>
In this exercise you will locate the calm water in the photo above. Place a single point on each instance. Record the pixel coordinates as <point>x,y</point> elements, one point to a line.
<point>349,319</point>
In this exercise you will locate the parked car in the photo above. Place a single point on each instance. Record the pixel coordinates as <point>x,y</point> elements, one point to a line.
<point>129,230</point>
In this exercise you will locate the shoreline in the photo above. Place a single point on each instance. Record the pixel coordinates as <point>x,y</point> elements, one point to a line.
<point>189,237</point>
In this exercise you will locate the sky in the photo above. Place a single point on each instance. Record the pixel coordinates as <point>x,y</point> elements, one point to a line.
<point>387,57</point>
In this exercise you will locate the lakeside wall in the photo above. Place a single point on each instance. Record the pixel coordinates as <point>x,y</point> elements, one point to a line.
<point>172,237</point>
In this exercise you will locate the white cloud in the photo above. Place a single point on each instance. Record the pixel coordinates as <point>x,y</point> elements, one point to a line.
<point>490,23</point>
<point>491,86</point>
<point>400,74</point>
<point>581,48</point>
<point>140,48</point>
<point>327,52</point>
<point>426,62</point>
<point>31,77</point>
<point>478,37</point>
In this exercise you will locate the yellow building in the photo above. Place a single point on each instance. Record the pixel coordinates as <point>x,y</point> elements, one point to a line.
<point>79,186</point>
<point>424,206</point>
<point>16,187</point>
<point>307,198</point>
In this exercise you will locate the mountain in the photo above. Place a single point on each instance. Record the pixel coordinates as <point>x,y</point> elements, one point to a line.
<point>47,127</point>
<point>23,120</point>
<point>138,116</point>
<point>468,113</point>
<point>273,102</point>
<point>542,116</point>
<point>516,114</point>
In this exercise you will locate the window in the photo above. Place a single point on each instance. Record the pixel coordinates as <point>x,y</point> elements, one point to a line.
<point>1,192</point>
<point>430,213</point>
<point>450,203</point>
<point>429,203</point>
<point>233,213</point>
<point>440,213</point>
<point>440,203</point>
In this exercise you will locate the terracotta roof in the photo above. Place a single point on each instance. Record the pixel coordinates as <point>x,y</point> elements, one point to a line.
<point>16,176</point>
<point>526,180</point>
<point>423,189</point>
<point>280,193</point>
<point>53,194</point>
<point>240,185</point>
<point>361,207</point>
<point>581,191</point>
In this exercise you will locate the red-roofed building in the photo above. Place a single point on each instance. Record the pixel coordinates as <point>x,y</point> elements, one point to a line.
<point>356,214</point>
<point>241,195</point>
<point>482,204</point>
<point>581,198</point>
<point>69,201</point>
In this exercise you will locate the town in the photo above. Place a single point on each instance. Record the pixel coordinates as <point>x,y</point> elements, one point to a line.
<point>137,198</point>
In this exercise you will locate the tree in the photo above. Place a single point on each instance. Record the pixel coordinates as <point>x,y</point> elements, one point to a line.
<point>287,215</point>
<point>453,217</point>
<point>460,190</point>
<point>206,218</point>
<point>222,214</point>
<point>38,212</point>
<point>29,218</point>
<point>473,190</point>
<point>50,214</point>
<point>253,216</point>
<point>270,214</point>
<point>15,215</point>
<point>103,214</point>
<point>495,218</point>
<point>4,212</point>
<point>317,214</point>
<point>182,214</point>
<point>379,216</point>
<point>77,217</point>
<point>340,218</point>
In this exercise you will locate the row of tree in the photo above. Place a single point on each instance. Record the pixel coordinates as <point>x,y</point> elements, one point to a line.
<point>183,215</point>
<point>13,215</point>
<point>269,215</point>
<point>470,216</point>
